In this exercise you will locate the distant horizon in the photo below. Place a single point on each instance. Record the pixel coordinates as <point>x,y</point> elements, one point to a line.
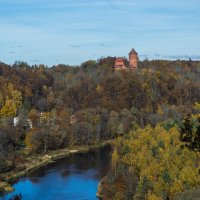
<point>52,32</point>
<point>152,59</point>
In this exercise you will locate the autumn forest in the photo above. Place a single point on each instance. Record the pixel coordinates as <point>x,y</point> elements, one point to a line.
<point>151,115</point>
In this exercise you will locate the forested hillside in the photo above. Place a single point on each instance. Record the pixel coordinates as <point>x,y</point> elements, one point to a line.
<point>64,106</point>
<point>154,164</point>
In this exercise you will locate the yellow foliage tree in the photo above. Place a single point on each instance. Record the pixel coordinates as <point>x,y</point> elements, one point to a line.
<point>163,167</point>
<point>9,109</point>
<point>114,160</point>
<point>28,142</point>
<point>10,103</point>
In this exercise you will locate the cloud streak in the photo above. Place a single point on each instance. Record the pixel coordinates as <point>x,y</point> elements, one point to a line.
<point>75,46</point>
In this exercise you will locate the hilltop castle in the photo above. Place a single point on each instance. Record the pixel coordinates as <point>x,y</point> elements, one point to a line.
<point>133,62</point>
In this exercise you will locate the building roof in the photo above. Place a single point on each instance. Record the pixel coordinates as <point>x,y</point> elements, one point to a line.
<point>119,60</point>
<point>133,51</point>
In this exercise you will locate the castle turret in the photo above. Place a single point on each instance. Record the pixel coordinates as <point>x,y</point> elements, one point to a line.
<point>133,59</point>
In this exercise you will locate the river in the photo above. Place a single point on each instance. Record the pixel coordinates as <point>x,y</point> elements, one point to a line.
<point>73,178</point>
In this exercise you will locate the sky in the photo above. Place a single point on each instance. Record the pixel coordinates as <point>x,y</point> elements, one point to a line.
<point>54,32</point>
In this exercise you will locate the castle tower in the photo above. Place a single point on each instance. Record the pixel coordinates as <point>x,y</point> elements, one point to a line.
<point>133,59</point>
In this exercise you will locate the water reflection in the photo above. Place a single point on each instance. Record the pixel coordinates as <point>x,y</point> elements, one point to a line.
<point>75,178</point>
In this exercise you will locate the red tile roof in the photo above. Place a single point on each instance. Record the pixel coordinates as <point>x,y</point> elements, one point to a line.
<point>119,60</point>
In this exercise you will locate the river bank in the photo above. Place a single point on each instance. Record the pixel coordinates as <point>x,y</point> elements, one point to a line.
<point>99,193</point>
<point>34,162</point>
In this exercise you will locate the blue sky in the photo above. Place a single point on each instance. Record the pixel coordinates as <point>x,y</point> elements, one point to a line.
<point>73,31</point>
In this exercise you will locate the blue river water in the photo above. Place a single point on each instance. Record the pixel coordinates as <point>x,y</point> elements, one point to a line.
<point>74,178</point>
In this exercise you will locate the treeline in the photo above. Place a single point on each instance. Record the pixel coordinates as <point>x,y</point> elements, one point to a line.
<point>64,106</point>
